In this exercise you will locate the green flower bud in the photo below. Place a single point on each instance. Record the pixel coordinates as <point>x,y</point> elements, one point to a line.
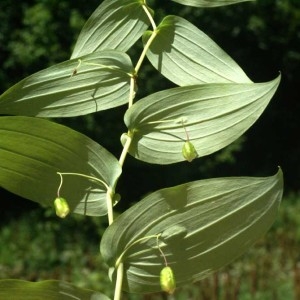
<point>61,207</point>
<point>189,152</point>
<point>167,280</point>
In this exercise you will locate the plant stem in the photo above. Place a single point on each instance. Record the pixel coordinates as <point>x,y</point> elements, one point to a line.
<point>109,192</point>
<point>120,266</point>
<point>139,63</point>
<point>85,176</point>
<point>153,35</point>
<point>118,287</point>
<point>131,91</point>
<point>149,16</point>
<point>109,204</point>
<point>125,148</point>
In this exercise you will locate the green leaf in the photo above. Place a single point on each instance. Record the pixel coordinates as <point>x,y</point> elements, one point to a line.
<point>209,3</point>
<point>219,219</point>
<point>47,290</point>
<point>115,24</point>
<point>214,115</point>
<point>33,150</point>
<point>185,55</point>
<point>101,81</point>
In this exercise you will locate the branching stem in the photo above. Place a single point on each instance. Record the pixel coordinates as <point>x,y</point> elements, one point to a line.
<point>119,264</point>
<point>109,192</point>
<point>152,37</point>
<point>81,175</point>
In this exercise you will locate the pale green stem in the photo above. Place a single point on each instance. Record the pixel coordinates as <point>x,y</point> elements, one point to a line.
<point>161,252</point>
<point>139,63</point>
<point>133,83</point>
<point>149,16</point>
<point>85,176</point>
<point>131,91</point>
<point>125,149</point>
<point>79,63</point>
<point>119,265</point>
<point>187,135</point>
<point>76,69</point>
<point>118,287</point>
<point>109,204</point>
<point>60,185</point>
<point>152,37</point>
<point>105,67</point>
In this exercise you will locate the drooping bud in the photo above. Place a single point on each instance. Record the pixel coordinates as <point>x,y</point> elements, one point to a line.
<point>189,152</point>
<point>167,280</point>
<point>61,207</point>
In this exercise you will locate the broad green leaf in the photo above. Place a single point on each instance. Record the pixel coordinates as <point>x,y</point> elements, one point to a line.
<point>33,150</point>
<point>185,55</point>
<point>203,225</point>
<point>209,3</point>
<point>213,115</point>
<point>101,81</point>
<point>115,24</point>
<point>47,290</point>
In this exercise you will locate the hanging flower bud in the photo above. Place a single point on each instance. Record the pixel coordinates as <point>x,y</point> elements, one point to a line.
<point>189,152</point>
<point>167,280</point>
<point>61,207</point>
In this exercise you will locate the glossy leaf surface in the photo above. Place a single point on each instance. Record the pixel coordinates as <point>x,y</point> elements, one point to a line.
<point>99,82</point>
<point>47,290</point>
<point>115,24</point>
<point>33,150</point>
<point>186,55</point>
<point>214,115</point>
<point>203,225</point>
<point>209,3</point>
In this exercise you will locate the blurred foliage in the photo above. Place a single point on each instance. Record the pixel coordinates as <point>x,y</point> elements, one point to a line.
<point>41,246</point>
